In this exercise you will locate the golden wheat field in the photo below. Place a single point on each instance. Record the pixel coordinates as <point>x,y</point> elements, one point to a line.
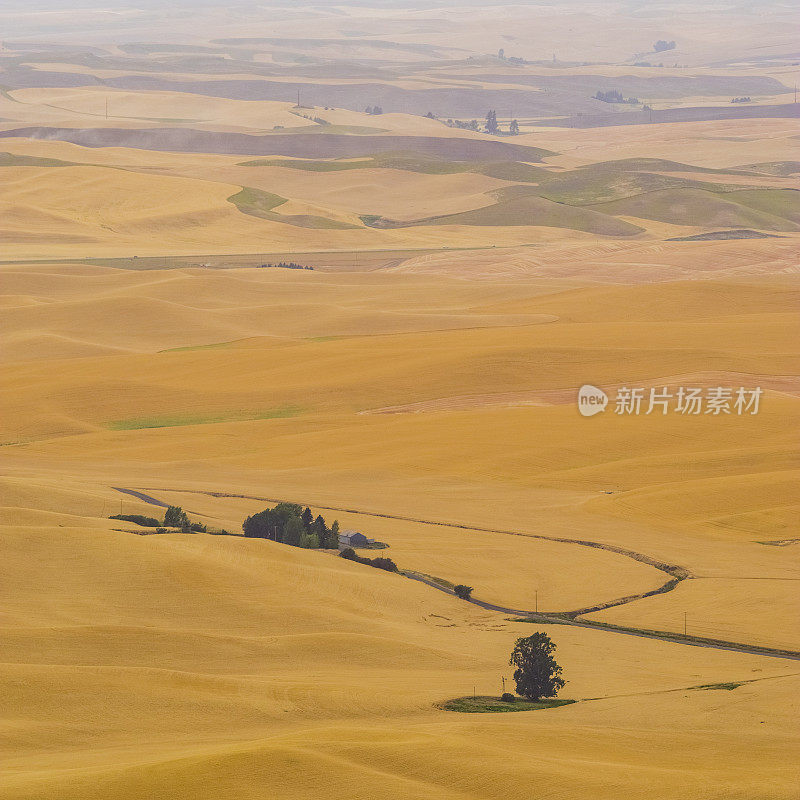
<point>165,172</point>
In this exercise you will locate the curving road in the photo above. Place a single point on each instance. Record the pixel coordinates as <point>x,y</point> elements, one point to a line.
<point>677,574</point>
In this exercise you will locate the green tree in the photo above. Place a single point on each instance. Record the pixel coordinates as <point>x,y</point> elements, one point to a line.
<point>261,525</point>
<point>173,517</point>
<point>513,128</point>
<point>491,122</point>
<point>462,591</point>
<point>309,540</point>
<point>320,530</point>
<point>333,537</point>
<point>537,674</point>
<point>293,531</point>
<point>307,518</point>
<point>285,510</point>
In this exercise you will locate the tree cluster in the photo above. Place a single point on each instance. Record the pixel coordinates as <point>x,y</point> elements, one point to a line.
<point>741,100</point>
<point>292,524</point>
<point>662,45</point>
<point>283,265</point>
<point>491,125</point>
<point>462,591</point>
<point>614,96</point>
<point>472,125</point>
<point>318,120</point>
<point>176,517</point>
<point>501,55</point>
<point>380,562</point>
<point>373,110</point>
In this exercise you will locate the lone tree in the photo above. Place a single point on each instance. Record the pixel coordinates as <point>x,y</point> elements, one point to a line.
<point>513,128</point>
<point>175,517</point>
<point>464,592</point>
<point>537,674</point>
<point>662,45</point>
<point>491,122</point>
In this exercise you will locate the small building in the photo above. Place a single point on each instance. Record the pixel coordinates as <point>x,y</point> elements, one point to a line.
<point>354,539</point>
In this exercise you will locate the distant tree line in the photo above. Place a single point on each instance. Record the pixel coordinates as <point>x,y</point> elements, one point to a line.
<point>741,100</point>
<point>472,125</point>
<point>318,120</point>
<point>283,265</point>
<point>138,519</point>
<point>615,96</point>
<point>501,54</point>
<point>490,125</point>
<point>292,524</point>
<point>493,128</point>
<point>380,563</point>
<point>373,110</point>
<point>174,517</point>
<point>662,45</point>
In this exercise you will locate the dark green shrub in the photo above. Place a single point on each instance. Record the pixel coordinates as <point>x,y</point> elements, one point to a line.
<point>137,519</point>
<point>381,563</point>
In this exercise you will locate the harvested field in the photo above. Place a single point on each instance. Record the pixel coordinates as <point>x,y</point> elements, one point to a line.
<point>164,344</point>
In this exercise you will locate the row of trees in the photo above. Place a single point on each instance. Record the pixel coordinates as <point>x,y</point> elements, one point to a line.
<point>284,265</point>
<point>381,562</point>
<point>471,125</point>
<point>490,125</point>
<point>741,100</point>
<point>614,96</point>
<point>493,127</point>
<point>174,517</point>
<point>373,110</point>
<point>501,54</point>
<point>292,524</point>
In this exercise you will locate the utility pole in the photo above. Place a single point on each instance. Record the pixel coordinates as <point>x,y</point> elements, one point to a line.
<point>298,98</point>
<point>503,678</point>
